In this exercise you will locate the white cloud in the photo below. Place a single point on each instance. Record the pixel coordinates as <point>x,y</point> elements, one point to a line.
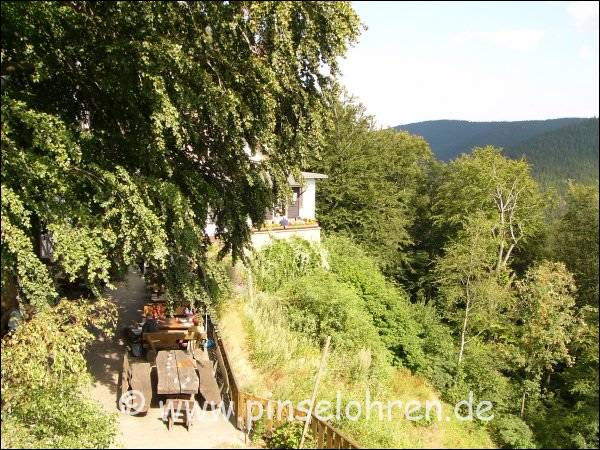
<point>519,39</point>
<point>584,15</point>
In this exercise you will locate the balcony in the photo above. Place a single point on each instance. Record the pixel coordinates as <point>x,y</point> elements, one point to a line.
<point>305,229</point>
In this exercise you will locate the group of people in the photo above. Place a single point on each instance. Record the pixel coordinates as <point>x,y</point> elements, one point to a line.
<point>151,324</point>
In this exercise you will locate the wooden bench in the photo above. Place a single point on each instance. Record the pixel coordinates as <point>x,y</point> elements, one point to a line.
<point>209,389</point>
<point>164,340</point>
<point>136,377</point>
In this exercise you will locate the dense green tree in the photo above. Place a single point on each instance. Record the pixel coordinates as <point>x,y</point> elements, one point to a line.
<point>372,189</point>
<point>471,295</point>
<point>570,419</point>
<point>122,123</point>
<point>574,240</point>
<point>547,323</point>
<point>572,415</point>
<point>501,188</point>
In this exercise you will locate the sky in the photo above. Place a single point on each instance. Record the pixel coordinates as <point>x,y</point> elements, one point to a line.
<point>476,61</point>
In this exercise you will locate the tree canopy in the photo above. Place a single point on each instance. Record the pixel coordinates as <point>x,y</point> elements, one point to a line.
<point>125,124</point>
<point>372,192</point>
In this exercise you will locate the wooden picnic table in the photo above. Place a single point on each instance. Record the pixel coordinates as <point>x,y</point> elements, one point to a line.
<point>178,382</point>
<point>175,323</point>
<point>176,373</point>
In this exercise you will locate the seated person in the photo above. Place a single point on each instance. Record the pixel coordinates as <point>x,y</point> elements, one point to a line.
<point>198,332</point>
<point>150,325</point>
<point>158,311</point>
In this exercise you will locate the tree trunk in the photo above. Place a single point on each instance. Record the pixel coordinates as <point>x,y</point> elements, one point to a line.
<point>463,333</point>
<point>523,403</point>
<point>500,257</point>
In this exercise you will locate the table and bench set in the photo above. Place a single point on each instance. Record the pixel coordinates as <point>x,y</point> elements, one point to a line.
<point>181,374</point>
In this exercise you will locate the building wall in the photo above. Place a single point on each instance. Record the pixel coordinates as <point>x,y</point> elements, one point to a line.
<point>211,229</point>
<point>307,205</point>
<point>262,238</point>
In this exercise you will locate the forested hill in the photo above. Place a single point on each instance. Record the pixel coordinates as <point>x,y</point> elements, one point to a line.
<point>449,138</point>
<point>567,152</point>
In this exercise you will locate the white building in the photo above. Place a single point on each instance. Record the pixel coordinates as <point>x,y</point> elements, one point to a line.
<point>299,214</point>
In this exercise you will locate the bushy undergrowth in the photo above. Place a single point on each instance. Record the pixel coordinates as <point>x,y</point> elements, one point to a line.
<point>318,305</point>
<point>412,333</point>
<point>284,261</point>
<point>288,360</point>
<point>44,375</point>
<point>375,332</point>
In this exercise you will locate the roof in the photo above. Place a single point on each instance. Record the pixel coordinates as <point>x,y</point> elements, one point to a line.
<point>307,176</point>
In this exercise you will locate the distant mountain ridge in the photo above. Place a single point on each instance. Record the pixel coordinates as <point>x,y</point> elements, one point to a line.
<point>450,138</point>
<point>569,152</point>
<point>557,149</point>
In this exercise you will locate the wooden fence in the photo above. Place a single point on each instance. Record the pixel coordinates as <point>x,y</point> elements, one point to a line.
<point>241,403</point>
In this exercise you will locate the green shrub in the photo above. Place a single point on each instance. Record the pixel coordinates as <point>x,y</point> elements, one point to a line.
<point>482,373</point>
<point>44,375</point>
<point>390,308</point>
<point>288,435</point>
<point>57,416</point>
<point>437,343</point>
<point>319,305</point>
<point>512,432</point>
<point>283,261</point>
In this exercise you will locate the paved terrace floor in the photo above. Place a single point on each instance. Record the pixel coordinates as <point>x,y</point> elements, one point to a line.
<point>105,358</point>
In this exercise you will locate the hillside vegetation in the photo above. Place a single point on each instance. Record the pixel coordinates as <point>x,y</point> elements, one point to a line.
<point>507,278</point>
<point>568,152</point>
<point>337,290</point>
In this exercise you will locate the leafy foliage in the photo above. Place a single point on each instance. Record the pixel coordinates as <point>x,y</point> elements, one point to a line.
<point>485,182</point>
<point>319,306</point>
<point>472,295</point>
<point>403,331</point>
<point>123,126</point>
<point>170,95</point>
<point>498,287</point>
<point>572,416</point>
<point>43,376</point>
<point>284,261</point>
<point>370,197</point>
<point>547,314</point>
<point>514,432</point>
<point>574,233</point>
<point>288,435</point>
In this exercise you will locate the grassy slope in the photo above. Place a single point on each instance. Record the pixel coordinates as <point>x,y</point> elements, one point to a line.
<point>273,361</point>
